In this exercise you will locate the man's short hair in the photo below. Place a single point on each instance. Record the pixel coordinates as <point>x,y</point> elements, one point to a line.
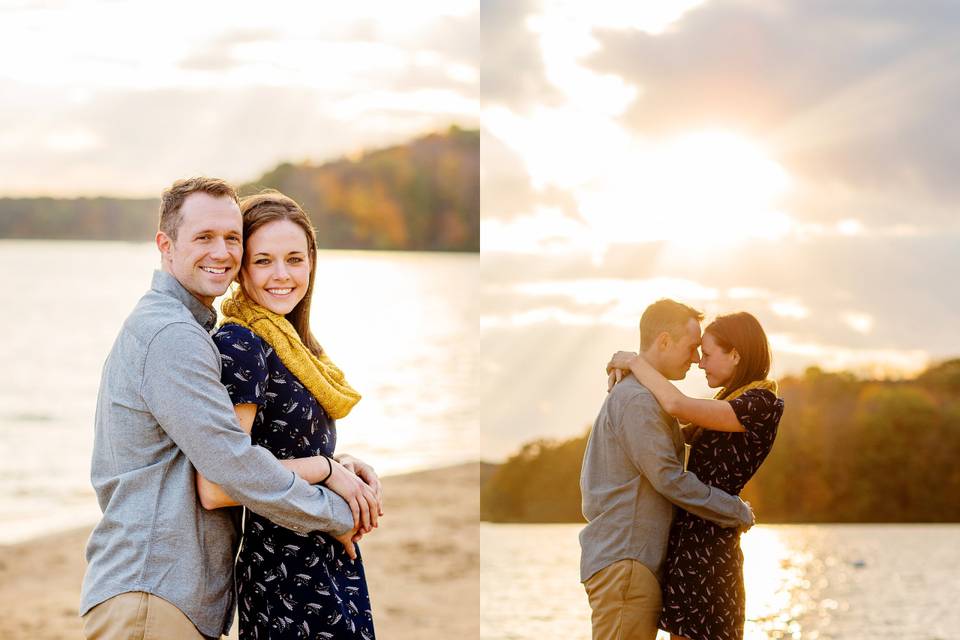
<point>665,315</point>
<point>172,199</point>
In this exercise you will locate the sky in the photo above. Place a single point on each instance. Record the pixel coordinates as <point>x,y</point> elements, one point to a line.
<point>102,97</point>
<point>794,159</point>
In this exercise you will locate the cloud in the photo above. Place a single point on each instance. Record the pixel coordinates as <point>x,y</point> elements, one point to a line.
<point>219,55</point>
<point>507,193</point>
<point>136,142</point>
<point>872,292</point>
<point>90,109</point>
<point>512,71</point>
<point>858,99</point>
<point>455,37</point>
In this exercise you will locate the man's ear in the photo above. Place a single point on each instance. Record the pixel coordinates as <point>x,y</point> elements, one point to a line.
<point>664,340</point>
<point>164,243</point>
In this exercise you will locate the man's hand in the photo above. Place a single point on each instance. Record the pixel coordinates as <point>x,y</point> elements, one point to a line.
<point>361,498</point>
<point>348,541</point>
<point>366,473</point>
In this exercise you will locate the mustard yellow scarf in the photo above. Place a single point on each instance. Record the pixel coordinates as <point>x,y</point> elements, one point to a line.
<point>769,385</point>
<point>323,379</point>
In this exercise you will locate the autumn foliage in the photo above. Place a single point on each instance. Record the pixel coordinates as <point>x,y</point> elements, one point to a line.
<point>422,195</point>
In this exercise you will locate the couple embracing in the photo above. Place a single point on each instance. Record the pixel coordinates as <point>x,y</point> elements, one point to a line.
<point>193,420</point>
<point>662,545</point>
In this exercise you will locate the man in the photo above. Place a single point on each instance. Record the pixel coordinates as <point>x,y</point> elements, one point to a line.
<point>159,564</point>
<point>632,476</point>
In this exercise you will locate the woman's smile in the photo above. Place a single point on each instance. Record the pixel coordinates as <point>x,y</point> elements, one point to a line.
<point>276,268</point>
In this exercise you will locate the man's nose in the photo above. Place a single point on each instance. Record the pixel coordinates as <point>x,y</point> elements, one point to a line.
<point>695,358</point>
<point>219,248</point>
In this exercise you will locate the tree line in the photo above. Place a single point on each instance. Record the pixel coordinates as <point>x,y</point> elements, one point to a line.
<point>847,450</point>
<point>421,195</point>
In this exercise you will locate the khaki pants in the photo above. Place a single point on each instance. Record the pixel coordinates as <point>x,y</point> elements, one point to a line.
<point>137,616</point>
<point>625,599</point>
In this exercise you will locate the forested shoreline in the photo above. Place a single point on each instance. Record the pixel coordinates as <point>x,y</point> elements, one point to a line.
<point>847,450</point>
<point>423,195</point>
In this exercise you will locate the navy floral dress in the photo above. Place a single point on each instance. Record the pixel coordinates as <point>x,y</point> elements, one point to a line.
<point>289,585</point>
<point>703,595</point>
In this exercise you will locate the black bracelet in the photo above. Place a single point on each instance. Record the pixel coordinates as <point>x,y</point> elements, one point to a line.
<point>330,472</point>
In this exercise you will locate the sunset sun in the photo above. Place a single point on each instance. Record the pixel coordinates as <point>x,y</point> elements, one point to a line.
<point>697,190</point>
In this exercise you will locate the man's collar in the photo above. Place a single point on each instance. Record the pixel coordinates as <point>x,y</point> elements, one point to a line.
<point>166,284</point>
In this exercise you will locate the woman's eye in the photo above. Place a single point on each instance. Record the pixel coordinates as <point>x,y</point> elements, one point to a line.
<point>296,260</point>
<point>261,261</point>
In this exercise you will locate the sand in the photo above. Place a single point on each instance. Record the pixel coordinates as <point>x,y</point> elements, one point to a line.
<point>422,565</point>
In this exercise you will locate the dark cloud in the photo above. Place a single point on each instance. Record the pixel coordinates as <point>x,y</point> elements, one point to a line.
<point>511,72</point>
<point>852,96</point>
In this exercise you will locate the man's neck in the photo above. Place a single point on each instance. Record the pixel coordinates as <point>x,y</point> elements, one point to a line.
<point>653,361</point>
<point>207,302</point>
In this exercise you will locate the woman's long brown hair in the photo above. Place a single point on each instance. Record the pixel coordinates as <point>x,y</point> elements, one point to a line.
<point>741,331</point>
<point>269,206</point>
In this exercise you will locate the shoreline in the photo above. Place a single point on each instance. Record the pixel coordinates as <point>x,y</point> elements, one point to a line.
<point>422,565</point>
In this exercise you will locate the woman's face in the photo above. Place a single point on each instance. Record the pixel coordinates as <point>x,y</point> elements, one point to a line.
<point>276,266</point>
<point>717,364</point>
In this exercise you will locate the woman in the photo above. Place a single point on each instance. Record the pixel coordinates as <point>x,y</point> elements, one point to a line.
<point>287,393</point>
<point>703,595</point>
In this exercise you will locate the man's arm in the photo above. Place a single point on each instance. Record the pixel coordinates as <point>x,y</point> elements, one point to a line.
<point>646,437</point>
<point>364,501</point>
<point>181,387</point>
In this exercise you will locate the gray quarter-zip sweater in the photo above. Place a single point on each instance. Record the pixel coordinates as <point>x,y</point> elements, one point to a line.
<point>632,475</point>
<point>162,411</point>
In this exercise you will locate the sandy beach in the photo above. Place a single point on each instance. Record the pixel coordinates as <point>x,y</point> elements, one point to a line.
<point>422,564</point>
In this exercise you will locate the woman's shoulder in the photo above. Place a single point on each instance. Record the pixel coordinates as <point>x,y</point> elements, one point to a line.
<point>238,340</point>
<point>758,405</point>
<point>233,332</point>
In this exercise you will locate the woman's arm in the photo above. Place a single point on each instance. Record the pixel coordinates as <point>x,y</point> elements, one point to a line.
<point>717,415</point>
<point>312,469</point>
<point>365,504</point>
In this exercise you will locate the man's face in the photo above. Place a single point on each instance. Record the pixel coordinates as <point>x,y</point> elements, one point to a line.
<point>682,352</point>
<point>208,250</point>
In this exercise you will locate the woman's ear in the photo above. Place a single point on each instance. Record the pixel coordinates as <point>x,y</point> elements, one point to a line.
<point>736,356</point>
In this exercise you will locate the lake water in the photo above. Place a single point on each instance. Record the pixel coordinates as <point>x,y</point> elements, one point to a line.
<point>821,582</point>
<point>402,326</point>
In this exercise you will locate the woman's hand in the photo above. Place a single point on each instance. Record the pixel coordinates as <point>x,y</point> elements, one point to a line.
<point>613,378</point>
<point>348,541</point>
<point>621,361</point>
<point>361,498</point>
<point>366,473</point>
